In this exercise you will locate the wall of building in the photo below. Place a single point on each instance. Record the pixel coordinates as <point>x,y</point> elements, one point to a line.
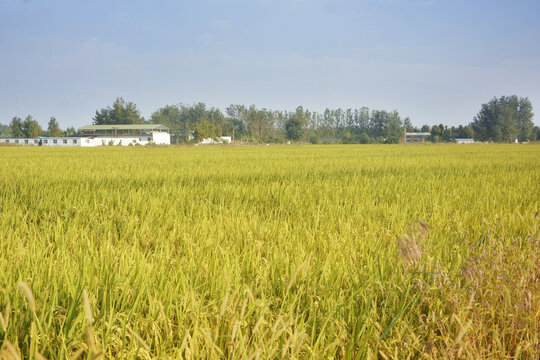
<point>115,141</point>
<point>160,138</point>
<point>464,141</point>
<point>59,141</point>
<point>219,140</point>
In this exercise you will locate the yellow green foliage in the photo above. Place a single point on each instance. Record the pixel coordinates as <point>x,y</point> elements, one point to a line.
<point>307,252</point>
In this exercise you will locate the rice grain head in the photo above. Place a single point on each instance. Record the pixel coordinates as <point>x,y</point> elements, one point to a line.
<point>29,296</point>
<point>409,250</point>
<point>87,310</point>
<point>40,357</point>
<point>11,351</point>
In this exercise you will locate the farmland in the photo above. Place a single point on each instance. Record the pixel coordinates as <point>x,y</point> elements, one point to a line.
<point>270,252</point>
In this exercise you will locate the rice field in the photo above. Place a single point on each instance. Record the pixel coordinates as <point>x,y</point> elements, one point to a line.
<point>279,252</point>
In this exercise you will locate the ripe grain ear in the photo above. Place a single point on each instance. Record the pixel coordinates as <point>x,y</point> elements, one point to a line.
<point>11,351</point>
<point>4,318</point>
<point>29,296</point>
<point>87,310</point>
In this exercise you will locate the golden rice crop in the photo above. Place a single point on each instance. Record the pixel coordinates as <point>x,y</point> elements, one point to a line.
<point>296,252</point>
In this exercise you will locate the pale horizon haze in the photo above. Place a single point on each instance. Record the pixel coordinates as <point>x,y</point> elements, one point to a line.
<point>434,61</point>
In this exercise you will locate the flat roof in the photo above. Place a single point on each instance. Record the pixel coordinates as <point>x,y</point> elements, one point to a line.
<point>418,133</point>
<point>125,127</point>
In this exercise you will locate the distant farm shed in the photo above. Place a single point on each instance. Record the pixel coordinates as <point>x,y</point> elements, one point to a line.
<point>130,129</point>
<point>416,137</point>
<point>96,135</point>
<point>464,141</point>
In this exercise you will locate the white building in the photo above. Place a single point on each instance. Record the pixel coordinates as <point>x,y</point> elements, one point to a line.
<point>44,141</point>
<point>97,135</point>
<point>218,140</point>
<point>465,141</point>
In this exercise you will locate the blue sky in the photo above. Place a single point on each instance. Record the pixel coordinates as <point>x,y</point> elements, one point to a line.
<point>435,61</point>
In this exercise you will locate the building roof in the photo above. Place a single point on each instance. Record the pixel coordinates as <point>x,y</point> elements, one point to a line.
<point>417,134</point>
<point>125,127</point>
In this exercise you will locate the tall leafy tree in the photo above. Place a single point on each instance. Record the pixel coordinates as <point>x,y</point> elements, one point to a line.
<point>503,119</point>
<point>237,116</point>
<point>535,135</point>
<point>216,117</point>
<point>362,121</point>
<point>203,130</point>
<point>70,131</point>
<point>238,128</point>
<point>394,130</point>
<point>524,122</point>
<point>408,125</point>
<point>378,123</point>
<point>446,133</point>
<point>328,123</point>
<point>4,130</point>
<point>436,133</point>
<point>294,128</point>
<point>16,127</point>
<point>465,131</point>
<point>53,128</point>
<point>31,127</point>
<point>173,117</point>
<point>121,112</point>
<point>258,122</point>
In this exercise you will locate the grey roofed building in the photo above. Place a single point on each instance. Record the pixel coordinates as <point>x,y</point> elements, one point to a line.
<point>416,136</point>
<point>121,130</point>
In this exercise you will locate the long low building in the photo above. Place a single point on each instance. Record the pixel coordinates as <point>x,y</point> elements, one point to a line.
<point>415,137</point>
<point>99,135</point>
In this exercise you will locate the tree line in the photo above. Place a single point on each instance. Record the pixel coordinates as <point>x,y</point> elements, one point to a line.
<point>192,123</point>
<point>30,128</point>
<point>500,120</point>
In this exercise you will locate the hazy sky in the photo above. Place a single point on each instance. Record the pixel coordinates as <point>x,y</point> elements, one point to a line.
<point>435,61</point>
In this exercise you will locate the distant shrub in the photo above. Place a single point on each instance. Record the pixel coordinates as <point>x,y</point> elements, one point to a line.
<point>315,139</point>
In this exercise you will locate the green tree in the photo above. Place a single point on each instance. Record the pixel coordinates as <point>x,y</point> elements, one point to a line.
<point>294,128</point>
<point>465,132</point>
<point>524,121</point>
<point>239,129</point>
<point>408,125</point>
<point>258,122</point>
<point>296,124</point>
<point>237,116</point>
<point>378,123</point>
<point>436,132</point>
<point>363,138</point>
<point>16,127</point>
<point>503,119</point>
<point>446,133</point>
<point>315,139</point>
<point>535,134</point>
<point>5,131</point>
<point>203,130</point>
<point>70,131</point>
<point>394,130</point>
<point>121,112</point>
<point>53,128</point>
<point>173,117</point>
<point>31,127</point>
<point>328,123</point>
<point>361,120</point>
